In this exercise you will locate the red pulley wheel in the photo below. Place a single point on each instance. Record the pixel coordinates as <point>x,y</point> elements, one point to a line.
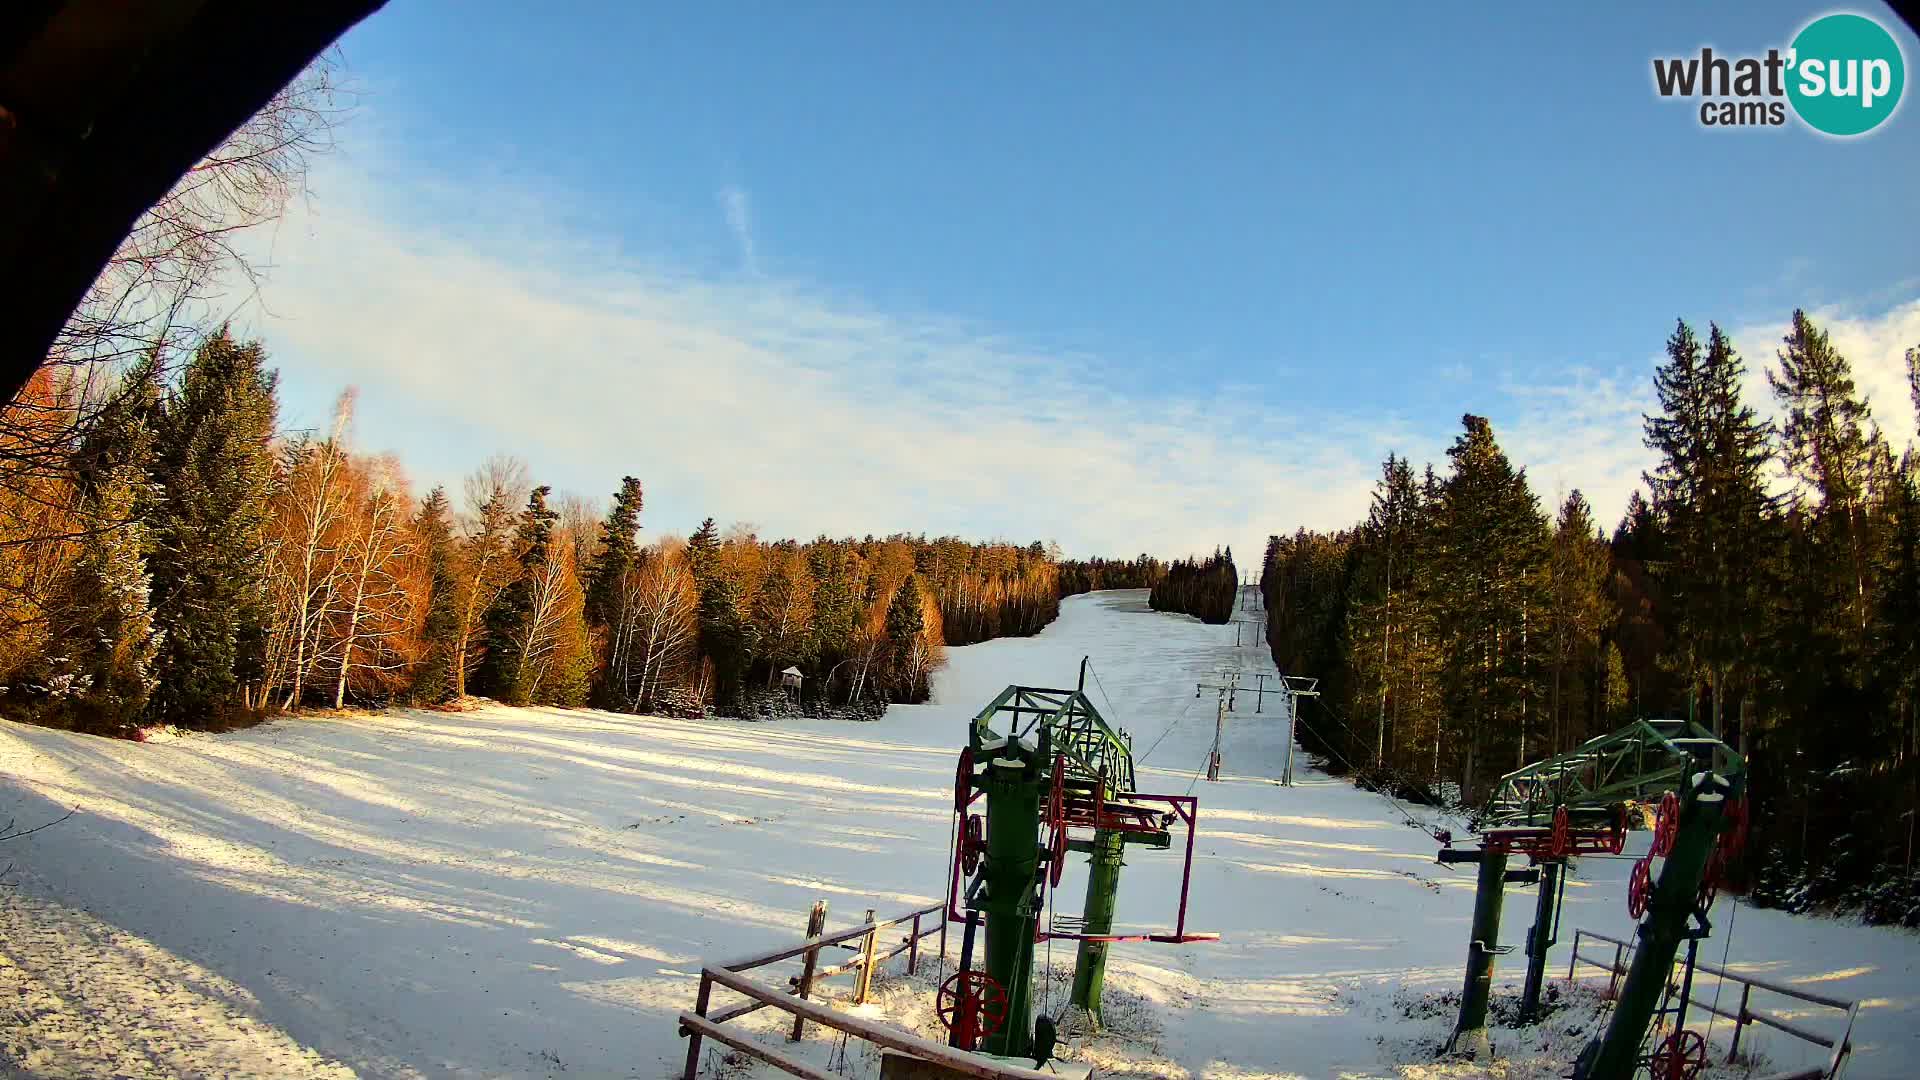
<point>1682,1056</point>
<point>1640,887</point>
<point>973,843</point>
<point>1618,841</point>
<point>963,781</point>
<point>1562,831</point>
<point>1057,859</point>
<point>1666,825</point>
<point>971,1005</point>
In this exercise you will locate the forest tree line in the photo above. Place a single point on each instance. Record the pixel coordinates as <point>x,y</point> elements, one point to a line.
<point>1091,575</point>
<point>168,555</point>
<point>1765,582</point>
<point>1206,589</point>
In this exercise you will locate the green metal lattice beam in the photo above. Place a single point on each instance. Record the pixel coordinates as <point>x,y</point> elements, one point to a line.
<point>1642,760</point>
<point>1093,749</point>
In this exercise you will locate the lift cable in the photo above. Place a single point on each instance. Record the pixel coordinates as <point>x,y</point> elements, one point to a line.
<point>1733,910</point>
<point>1175,722</point>
<point>1405,814</point>
<point>960,823</point>
<point>1191,784</point>
<point>1104,696</point>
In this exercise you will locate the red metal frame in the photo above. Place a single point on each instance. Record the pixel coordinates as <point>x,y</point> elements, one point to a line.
<point>954,914</point>
<point>1557,840</point>
<point>1187,809</point>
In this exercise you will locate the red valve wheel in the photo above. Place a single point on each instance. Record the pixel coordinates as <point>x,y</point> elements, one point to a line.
<point>1057,857</point>
<point>963,781</point>
<point>971,1005</point>
<point>973,843</point>
<point>1682,1056</point>
<point>1618,841</point>
<point>1562,831</point>
<point>1667,825</point>
<point>1640,887</point>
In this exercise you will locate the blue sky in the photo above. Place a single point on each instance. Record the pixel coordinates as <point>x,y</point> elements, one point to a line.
<point>1217,259</point>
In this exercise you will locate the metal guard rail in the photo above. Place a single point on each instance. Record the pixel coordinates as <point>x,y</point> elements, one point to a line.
<point>1841,1046</point>
<point>698,1024</point>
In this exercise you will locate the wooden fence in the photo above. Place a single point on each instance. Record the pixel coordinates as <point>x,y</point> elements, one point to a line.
<point>864,942</point>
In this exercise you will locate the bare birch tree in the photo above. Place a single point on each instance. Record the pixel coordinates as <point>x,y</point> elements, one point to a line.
<point>383,586</point>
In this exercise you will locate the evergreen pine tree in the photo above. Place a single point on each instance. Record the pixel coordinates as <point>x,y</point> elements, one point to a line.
<point>1710,497</point>
<point>605,588</point>
<point>1378,595</point>
<point>1493,552</point>
<point>440,632</point>
<point>722,639</point>
<point>1579,611</point>
<point>1830,448</point>
<point>101,660</point>
<point>619,553</point>
<point>507,621</point>
<point>1897,610</point>
<point>213,467</point>
<point>906,621</point>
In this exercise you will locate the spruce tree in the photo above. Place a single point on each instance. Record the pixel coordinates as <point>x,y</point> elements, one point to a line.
<point>1710,497</point>
<point>1896,604</point>
<point>1493,557</point>
<point>605,587</point>
<point>1830,448</point>
<point>106,643</point>
<point>722,639</point>
<point>906,621</point>
<point>1579,611</point>
<point>508,619</point>
<point>433,684</point>
<point>213,469</point>
<point>1378,600</point>
<point>619,553</point>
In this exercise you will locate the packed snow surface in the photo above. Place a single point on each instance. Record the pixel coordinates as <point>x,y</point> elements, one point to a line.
<point>531,892</point>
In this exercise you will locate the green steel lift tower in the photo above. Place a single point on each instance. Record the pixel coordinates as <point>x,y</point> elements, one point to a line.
<point>1054,778</point>
<point>1574,804</point>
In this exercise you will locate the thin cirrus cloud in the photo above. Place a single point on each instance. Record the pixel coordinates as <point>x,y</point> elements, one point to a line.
<point>772,401</point>
<point>738,208</point>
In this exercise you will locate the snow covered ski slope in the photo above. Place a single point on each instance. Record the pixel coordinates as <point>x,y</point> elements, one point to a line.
<point>528,892</point>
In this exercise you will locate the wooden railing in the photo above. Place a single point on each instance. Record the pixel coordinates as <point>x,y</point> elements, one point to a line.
<point>1841,1046</point>
<point>864,941</point>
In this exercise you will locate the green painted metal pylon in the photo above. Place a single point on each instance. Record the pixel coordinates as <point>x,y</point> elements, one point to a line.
<point>1664,927</point>
<point>1541,938</point>
<point>1470,1033</point>
<point>1103,889</point>
<point>1566,805</point>
<point>1015,779</point>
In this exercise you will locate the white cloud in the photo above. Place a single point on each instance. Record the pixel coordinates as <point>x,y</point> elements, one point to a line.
<point>769,400</point>
<point>775,401</point>
<point>1584,428</point>
<point>738,208</point>
<point>1875,346</point>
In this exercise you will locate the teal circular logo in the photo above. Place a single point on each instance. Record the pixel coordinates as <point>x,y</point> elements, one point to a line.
<point>1846,74</point>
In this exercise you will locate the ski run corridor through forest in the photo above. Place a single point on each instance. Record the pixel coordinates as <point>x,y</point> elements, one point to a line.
<point>532,892</point>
